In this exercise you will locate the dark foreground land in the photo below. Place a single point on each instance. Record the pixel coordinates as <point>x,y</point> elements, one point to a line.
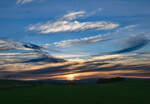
<point>124,92</point>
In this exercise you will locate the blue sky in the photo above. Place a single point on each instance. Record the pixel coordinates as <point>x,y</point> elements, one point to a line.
<point>78,27</point>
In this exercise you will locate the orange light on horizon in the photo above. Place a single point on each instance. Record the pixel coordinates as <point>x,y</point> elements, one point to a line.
<point>71,77</point>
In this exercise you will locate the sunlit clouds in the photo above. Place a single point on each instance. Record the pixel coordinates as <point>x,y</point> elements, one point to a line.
<point>102,67</point>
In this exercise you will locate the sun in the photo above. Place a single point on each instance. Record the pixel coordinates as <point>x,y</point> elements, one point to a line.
<point>71,77</point>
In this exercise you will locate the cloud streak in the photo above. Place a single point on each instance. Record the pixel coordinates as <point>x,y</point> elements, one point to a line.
<point>91,39</point>
<point>79,14</point>
<point>8,44</point>
<point>70,26</point>
<point>88,40</point>
<point>74,15</point>
<point>21,2</point>
<point>135,42</point>
<point>13,52</point>
<point>78,42</point>
<point>68,23</point>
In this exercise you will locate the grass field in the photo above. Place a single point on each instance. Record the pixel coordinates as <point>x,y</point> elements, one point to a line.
<point>125,92</point>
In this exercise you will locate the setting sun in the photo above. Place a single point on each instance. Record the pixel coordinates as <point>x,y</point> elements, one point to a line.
<point>71,77</point>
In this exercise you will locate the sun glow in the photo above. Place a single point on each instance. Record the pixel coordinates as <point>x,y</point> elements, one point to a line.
<point>71,77</point>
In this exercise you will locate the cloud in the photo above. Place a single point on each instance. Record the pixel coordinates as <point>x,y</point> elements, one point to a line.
<point>92,39</point>
<point>9,45</point>
<point>78,42</point>
<point>21,2</point>
<point>128,27</point>
<point>74,15</point>
<point>89,40</point>
<point>72,56</point>
<point>94,12</point>
<point>70,26</point>
<point>68,23</point>
<point>79,14</point>
<point>135,42</point>
<point>13,52</point>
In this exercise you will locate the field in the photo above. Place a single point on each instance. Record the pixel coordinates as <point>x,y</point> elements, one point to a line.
<point>125,92</point>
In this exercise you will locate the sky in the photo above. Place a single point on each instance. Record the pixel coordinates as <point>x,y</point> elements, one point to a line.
<point>75,27</point>
<point>74,30</point>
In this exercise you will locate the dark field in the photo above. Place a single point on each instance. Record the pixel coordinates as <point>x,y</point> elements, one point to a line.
<point>125,92</point>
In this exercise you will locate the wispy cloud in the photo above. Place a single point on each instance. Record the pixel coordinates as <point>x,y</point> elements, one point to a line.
<point>78,42</point>
<point>8,44</point>
<point>70,26</point>
<point>13,52</point>
<point>21,2</point>
<point>126,28</point>
<point>74,15</point>
<point>79,14</point>
<point>134,43</point>
<point>73,56</point>
<point>68,23</point>
<point>92,39</point>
